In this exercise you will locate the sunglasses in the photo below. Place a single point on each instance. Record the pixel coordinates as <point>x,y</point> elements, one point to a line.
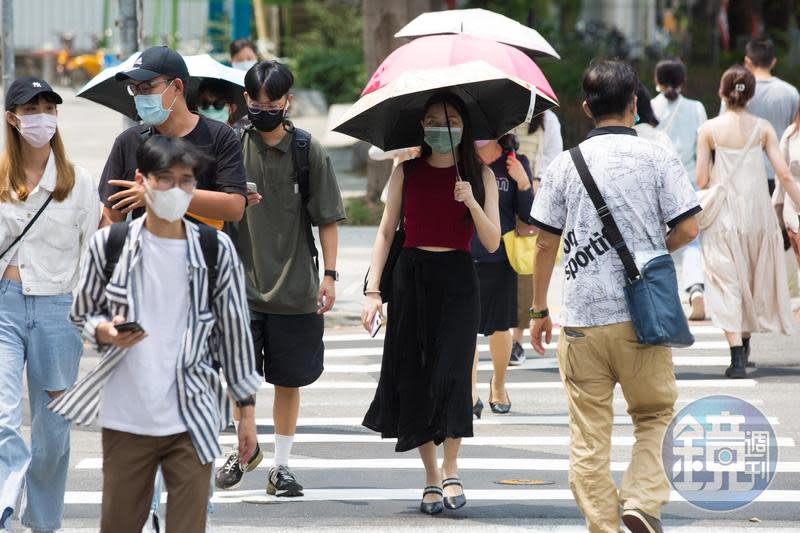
<point>219,105</point>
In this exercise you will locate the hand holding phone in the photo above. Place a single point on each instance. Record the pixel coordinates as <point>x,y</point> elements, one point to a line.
<point>129,326</point>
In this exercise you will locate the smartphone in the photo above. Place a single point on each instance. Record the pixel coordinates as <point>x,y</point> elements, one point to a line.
<point>252,187</point>
<point>377,322</point>
<point>129,326</point>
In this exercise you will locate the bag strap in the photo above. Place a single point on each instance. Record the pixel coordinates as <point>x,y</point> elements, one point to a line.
<point>408,168</point>
<point>209,244</point>
<point>613,234</point>
<point>117,233</point>
<point>26,228</point>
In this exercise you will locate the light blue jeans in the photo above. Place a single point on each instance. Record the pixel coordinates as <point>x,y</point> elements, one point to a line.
<point>35,332</point>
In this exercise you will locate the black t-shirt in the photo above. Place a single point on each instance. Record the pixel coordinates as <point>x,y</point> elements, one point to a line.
<point>225,173</point>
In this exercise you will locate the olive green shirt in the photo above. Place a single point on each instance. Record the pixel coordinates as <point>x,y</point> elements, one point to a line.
<point>272,236</point>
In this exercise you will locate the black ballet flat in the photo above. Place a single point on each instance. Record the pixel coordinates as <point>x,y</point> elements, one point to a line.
<point>477,409</point>
<point>431,508</point>
<point>498,408</point>
<point>454,502</point>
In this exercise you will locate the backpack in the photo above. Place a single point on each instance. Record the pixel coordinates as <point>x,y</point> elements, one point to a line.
<point>301,148</point>
<point>209,244</point>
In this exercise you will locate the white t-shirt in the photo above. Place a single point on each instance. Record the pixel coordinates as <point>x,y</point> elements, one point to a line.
<point>141,396</point>
<point>646,189</point>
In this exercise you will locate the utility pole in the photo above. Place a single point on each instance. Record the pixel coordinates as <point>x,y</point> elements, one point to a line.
<point>8,44</point>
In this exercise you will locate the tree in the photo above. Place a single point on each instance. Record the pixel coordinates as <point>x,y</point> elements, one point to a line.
<point>382,20</point>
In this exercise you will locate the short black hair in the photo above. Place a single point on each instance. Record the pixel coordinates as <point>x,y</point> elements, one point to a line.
<point>643,107</point>
<point>217,88</point>
<point>159,153</point>
<point>608,87</point>
<point>761,52</point>
<point>240,44</point>
<point>274,77</point>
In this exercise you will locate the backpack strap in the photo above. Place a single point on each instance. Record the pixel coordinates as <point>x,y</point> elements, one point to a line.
<point>209,244</point>
<point>301,148</point>
<point>117,233</point>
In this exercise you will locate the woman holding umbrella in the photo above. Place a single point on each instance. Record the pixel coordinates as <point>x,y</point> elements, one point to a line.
<point>424,394</point>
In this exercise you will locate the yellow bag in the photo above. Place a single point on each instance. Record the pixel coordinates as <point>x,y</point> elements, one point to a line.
<point>520,244</point>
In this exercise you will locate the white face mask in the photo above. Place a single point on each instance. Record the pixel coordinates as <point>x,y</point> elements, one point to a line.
<point>168,205</point>
<point>244,65</point>
<point>37,129</point>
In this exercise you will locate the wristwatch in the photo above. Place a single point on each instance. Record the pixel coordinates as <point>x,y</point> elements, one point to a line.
<point>250,400</point>
<point>333,274</point>
<point>544,313</point>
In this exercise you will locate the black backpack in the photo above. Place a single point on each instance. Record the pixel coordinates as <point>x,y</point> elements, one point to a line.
<point>301,148</point>
<point>209,243</point>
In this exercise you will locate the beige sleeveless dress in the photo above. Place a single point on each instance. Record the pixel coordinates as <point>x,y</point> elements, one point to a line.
<point>746,289</point>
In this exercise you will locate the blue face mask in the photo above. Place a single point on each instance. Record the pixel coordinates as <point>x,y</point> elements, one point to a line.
<point>150,109</point>
<point>216,114</point>
<point>636,118</point>
<point>438,138</point>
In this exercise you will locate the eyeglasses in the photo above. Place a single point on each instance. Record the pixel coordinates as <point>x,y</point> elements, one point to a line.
<point>145,87</point>
<point>271,109</point>
<point>165,183</point>
<point>219,105</point>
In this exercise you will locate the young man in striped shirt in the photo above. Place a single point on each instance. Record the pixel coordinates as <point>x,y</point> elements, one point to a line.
<point>163,325</point>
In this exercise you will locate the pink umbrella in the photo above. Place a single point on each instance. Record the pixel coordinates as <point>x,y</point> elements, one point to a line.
<point>439,51</point>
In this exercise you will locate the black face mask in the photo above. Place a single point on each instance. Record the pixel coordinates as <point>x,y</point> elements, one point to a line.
<point>267,122</point>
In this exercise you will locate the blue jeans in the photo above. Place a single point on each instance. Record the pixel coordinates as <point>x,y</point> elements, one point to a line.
<point>35,332</point>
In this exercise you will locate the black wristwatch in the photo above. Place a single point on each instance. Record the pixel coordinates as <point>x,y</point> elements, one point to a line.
<point>250,400</point>
<point>333,274</point>
<point>535,315</point>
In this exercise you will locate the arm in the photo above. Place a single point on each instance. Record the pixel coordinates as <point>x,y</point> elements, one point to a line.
<point>380,249</point>
<point>225,206</point>
<point>487,217</point>
<point>704,146</point>
<point>329,238</point>
<point>683,233</point>
<point>544,260</point>
<point>788,184</point>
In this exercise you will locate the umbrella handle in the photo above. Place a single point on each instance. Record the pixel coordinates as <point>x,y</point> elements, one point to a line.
<point>452,148</point>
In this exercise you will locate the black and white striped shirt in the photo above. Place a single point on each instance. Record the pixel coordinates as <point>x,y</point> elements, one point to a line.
<point>216,333</point>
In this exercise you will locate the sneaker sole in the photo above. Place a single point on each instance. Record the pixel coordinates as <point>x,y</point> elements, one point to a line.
<point>293,491</point>
<point>637,523</point>
<point>252,465</point>
<point>518,362</point>
<point>698,309</point>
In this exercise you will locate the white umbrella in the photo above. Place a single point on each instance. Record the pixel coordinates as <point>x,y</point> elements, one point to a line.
<point>105,90</point>
<point>480,23</point>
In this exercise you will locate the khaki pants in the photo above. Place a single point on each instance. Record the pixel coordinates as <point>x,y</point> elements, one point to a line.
<point>591,362</point>
<point>129,470</point>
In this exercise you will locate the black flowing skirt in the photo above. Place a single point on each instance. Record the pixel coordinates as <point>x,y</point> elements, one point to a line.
<point>425,389</point>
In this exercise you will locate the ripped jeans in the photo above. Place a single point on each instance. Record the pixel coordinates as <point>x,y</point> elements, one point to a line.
<point>35,332</point>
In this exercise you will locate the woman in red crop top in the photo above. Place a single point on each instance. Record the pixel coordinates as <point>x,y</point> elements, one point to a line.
<point>424,394</point>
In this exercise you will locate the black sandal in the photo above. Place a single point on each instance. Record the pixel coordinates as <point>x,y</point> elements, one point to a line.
<point>431,508</point>
<point>454,502</point>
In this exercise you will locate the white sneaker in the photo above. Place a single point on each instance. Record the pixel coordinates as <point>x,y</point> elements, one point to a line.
<point>152,525</point>
<point>698,303</point>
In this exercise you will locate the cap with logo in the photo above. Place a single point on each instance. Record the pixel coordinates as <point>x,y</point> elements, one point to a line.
<point>154,62</point>
<point>23,90</point>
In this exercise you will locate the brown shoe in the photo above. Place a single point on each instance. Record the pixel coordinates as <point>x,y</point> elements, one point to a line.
<point>698,303</point>
<point>640,522</point>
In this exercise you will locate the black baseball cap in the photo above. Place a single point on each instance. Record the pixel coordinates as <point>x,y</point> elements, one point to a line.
<point>154,62</point>
<point>23,90</point>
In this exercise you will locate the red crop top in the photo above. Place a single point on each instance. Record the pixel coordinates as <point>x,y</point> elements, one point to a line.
<point>432,215</point>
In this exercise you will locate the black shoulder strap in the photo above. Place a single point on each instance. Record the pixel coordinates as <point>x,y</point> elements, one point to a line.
<point>408,168</point>
<point>301,148</point>
<point>116,240</point>
<point>28,226</point>
<point>613,234</point>
<point>209,244</point>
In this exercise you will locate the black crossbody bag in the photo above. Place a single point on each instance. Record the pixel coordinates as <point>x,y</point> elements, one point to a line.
<point>25,230</point>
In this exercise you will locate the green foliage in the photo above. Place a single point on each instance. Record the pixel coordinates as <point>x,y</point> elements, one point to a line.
<point>362,212</point>
<point>329,55</point>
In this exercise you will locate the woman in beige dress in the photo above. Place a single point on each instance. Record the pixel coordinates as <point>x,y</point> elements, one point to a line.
<point>746,290</point>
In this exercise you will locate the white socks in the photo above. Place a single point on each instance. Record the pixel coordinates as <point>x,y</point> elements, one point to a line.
<point>283,448</point>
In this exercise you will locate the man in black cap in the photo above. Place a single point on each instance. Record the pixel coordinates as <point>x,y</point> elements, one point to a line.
<point>158,84</point>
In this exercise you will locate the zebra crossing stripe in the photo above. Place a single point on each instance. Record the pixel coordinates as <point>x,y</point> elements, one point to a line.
<point>373,351</point>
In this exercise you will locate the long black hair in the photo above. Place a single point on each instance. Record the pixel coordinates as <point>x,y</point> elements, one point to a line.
<point>469,166</point>
<point>643,107</point>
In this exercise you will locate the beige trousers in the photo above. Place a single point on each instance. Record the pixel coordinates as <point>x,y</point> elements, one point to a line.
<point>591,362</point>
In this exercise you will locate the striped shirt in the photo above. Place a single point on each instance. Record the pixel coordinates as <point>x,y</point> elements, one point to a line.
<point>216,333</point>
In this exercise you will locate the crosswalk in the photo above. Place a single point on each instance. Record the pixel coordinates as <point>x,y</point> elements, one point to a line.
<point>340,461</point>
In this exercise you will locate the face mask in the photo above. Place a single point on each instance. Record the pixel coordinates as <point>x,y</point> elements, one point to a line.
<point>439,139</point>
<point>636,118</point>
<point>216,114</point>
<point>267,122</point>
<point>244,65</point>
<point>168,205</point>
<point>37,129</point>
<point>150,109</point>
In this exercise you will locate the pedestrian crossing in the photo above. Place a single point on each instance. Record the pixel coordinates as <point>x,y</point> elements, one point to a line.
<point>339,461</point>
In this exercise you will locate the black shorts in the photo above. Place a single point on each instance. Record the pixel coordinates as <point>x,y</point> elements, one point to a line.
<point>498,288</point>
<point>289,348</point>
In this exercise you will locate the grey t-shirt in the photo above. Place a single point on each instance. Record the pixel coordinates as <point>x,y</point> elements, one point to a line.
<point>646,188</point>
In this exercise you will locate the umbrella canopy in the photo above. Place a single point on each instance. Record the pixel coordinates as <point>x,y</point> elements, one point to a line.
<point>439,51</point>
<point>105,90</point>
<point>389,117</point>
<point>480,23</point>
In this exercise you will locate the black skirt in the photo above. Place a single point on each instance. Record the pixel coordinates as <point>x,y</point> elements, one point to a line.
<point>498,288</point>
<point>425,388</point>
